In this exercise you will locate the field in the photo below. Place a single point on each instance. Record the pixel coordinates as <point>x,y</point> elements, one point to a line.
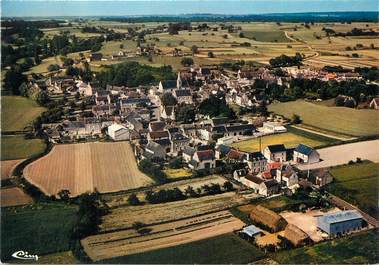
<point>13,197</point>
<point>357,184</point>
<point>358,249</point>
<point>341,120</point>
<point>65,257</point>
<point>130,241</point>
<point>172,173</point>
<point>18,112</point>
<point>224,249</point>
<point>289,139</point>
<point>37,228</point>
<point>277,204</point>
<point>80,168</point>
<point>7,167</point>
<point>122,199</point>
<point>124,217</point>
<point>17,147</point>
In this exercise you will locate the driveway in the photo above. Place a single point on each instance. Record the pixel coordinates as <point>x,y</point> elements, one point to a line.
<point>342,154</point>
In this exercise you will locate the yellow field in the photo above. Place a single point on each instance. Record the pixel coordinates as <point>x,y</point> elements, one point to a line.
<point>79,168</point>
<point>355,122</point>
<point>177,173</point>
<point>290,140</point>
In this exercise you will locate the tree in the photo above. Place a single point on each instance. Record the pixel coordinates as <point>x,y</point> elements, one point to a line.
<point>13,80</point>
<point>64,195</point>
<point>185,113</point>
<point>189,191</point>
<point>53,67</point>
<point>194,49</point>
<point>228,186</point>
<point>175,163</point>
<point>210,54</point>
<point>133,199</point>
<point>242,35</point>
<point>186,61</point>
<point>296,119</point>
<point>168,99</point>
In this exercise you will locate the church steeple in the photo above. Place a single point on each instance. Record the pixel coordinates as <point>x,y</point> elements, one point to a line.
<point>179,82</point>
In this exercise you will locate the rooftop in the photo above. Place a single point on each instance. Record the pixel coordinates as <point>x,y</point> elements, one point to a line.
<point>342,216</point>
<point>304,149</point>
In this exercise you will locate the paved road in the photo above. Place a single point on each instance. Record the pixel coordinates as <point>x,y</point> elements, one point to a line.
<point>342,154</point>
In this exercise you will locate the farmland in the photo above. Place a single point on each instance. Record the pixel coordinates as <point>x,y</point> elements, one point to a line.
<point>38,228</point>
<point>224,249</point>
<point>7,168</point>
<point>289,139</point>
<point>14,196</point>
<point>107,167</point>
<point>124,217</point>
<point>151,237</point>
<point>357,184</point>
<point>17,147</point>
<point>360,249</point>
<point>177,173</point>
<point>18,112</point>
<point>341,120</point>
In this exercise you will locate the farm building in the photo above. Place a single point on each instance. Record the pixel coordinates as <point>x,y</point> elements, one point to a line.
<point>305,154</point>
<point>340,223</point>
<point>275,153</point>
<point>118,132</point>
<point>268,218</point>
<point>251,231</point>
<point>272,127</point>
<point>295,235</point>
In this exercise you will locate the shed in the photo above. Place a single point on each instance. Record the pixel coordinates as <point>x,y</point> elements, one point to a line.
<point>251,231</point>
<point>262,215</point>
<point>295,235</point>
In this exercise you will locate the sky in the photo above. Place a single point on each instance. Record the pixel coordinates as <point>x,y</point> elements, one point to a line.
<point>40,8</point>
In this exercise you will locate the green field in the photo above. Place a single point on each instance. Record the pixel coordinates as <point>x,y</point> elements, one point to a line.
<point>37,228</point>
<point>17,147</point>
<point>358,184</point>
<point>224,249</point>
<point>290,139</point>
<point>18,112</point>
<point>336,119</point>
<point>266,36</point>
<point>360,249</point>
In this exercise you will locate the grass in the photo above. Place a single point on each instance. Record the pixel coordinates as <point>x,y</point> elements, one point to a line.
<point>357,184</point>
<point>276,204</point>
<point>18,112</point>
<point>336,119</point>
<point>39,229</point>
<point>224,249</point>
<point>266,36</point>
<point>172,173</point>
<point>17,147</point>
<point>290,139</point>
<point>361,249</point>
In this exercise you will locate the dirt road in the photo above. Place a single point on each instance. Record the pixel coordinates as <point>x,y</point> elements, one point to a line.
<point>342,154</point>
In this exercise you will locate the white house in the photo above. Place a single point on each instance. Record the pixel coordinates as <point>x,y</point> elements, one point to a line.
<point>203,160</point>
<point>305,154</point>
<point>286,176</point>
<point>275,153</point>
<point>118,132</point>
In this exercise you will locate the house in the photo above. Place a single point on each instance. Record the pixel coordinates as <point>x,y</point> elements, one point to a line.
<point>188,153</point>
<point>270,219</point>
<point>183,96</point>
<point>256,162</point>
<point>95,57</point>
<point>339,223</point>
<point>275,153</point>
<point>203,160</point>
<point>286,176</point>
<point>118,132</point>
<point>269,187</point>
<point>156,126</point>
<point>167,86</point>
<point>252,181</point>
<point>157,135</point>
<point>165,143</point>
<point>178,142</point>
<point>235,156</point>
<point>154,150</point>
<point>251,231</point>
<point>272,127</point>
<point>101,111</point>
<point>240,129</point>
<point>133,103</point>
<point>374,104</point>
<point>168,112</point>
<point>221,151</point>
<point>305,154</point>
<point>102,98</point>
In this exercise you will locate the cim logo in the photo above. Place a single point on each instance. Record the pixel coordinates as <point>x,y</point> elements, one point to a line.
<point>24,255</point>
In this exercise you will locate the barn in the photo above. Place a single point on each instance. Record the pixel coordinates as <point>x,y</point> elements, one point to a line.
<point>268,218</point>
<point>118,132</point>
<point>339,223</point>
